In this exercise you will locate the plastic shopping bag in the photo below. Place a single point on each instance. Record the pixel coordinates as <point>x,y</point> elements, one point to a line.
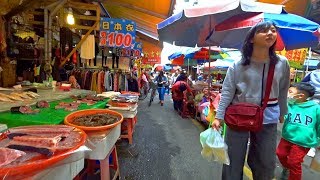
<point>213,146</point>
<point>315,163</point>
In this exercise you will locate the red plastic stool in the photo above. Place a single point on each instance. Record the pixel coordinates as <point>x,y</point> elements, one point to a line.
<point>115,163</point>
<point>127,128</point>
<point>135,120</point>
<point>92,165</point>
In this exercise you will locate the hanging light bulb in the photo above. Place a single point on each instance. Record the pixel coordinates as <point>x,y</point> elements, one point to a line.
<point>70,18</point>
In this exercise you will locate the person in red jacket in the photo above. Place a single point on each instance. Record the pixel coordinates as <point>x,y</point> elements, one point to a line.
<point>177,89</point>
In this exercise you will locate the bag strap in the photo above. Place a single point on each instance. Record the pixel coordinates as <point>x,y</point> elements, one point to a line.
<point>268,86</point>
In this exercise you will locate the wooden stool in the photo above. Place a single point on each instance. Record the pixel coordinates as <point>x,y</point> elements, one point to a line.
<point>128,125</point>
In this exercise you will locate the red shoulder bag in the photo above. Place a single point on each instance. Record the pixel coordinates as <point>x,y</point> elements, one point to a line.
<point>249,116</point>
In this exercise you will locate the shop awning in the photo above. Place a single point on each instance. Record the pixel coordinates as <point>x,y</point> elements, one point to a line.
<point>147,14</point>
<point>299,7</point>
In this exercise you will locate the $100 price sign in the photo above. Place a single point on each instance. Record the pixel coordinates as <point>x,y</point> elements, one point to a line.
<point>117,33</point>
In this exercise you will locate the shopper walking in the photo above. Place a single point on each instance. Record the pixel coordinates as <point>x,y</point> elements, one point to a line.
<point>301,130</point>
<point>246,82</point>
<point>174,77</point>
<point>168,84</point>
<point>161,80</point>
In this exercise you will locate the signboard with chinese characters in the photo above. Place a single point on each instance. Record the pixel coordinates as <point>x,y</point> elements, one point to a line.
<point>117,32</point>
<point>134,51</point>
<point>137,49</point>
<point>151,53</point>
<point>151,57</point>
<point>296,57</point>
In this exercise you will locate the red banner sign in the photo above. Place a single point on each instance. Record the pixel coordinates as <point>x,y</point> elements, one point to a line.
<point>151,57</point>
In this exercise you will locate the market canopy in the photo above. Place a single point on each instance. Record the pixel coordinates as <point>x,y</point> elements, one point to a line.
<point>199,53</point>
<point>192,26</point>
<point>229,32</point>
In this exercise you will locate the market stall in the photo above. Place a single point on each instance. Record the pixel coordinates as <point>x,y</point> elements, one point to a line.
<point>43,44</point>
<point>34,151</point>
<point>49,115</point>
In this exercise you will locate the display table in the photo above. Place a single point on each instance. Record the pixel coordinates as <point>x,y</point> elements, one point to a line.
<point>49,95</point>
<point>66,169</point>
<point>102,147</point>
<point>3,127</point>
<point>129,121</point>
<point>45,116</point>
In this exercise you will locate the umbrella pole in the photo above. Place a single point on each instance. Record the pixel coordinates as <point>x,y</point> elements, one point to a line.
<point>188,66</point>
<point>309,57</point>
<point>210,80</point>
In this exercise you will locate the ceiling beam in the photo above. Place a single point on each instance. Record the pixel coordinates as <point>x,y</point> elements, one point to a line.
<point>27,4</point>
<point>104,10</point>
<point>171,8</point>
<point>284,2</point>
<point>136,8</point>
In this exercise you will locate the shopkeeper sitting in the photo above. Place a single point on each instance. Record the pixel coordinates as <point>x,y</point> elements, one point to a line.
<point>178,89</point>
<point>74,83</point>
<point>132,84</point>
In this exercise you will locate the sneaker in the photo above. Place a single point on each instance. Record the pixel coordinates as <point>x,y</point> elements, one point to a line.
<point>284,174</point>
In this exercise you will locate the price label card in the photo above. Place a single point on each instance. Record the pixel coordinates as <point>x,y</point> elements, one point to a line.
<point>117,33</point>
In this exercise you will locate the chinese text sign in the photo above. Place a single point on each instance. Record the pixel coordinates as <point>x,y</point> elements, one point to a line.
<point>117,33</point>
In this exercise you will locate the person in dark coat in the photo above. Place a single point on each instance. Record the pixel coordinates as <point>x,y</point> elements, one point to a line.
<point>132,84</point>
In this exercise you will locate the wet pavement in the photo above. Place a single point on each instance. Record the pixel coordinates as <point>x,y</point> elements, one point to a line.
<point>166,147</point>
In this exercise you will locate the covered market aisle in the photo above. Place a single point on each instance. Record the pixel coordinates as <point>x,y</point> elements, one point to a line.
<point>166,146</point>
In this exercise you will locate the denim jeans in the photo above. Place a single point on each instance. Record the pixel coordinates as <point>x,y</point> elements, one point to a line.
<point>161,91</point>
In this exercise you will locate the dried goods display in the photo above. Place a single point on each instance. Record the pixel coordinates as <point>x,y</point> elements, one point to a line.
<point>15,96</point>
<point>95,120</point>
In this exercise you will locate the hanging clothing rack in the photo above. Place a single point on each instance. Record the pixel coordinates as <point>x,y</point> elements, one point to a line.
<point>101,79</point>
